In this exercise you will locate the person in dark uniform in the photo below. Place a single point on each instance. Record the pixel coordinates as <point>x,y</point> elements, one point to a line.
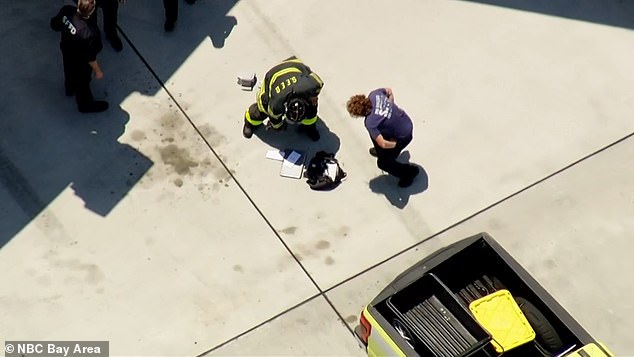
<point>390,129</point>
<point>80,43</point>
<point>110,9</point>
<point>289,93</point>
<point>171,13</point>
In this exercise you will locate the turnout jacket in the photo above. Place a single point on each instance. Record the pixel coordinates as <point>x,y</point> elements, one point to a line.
<point>287,80</point>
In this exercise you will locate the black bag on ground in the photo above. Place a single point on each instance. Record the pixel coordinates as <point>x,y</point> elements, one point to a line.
<point>323,172</point>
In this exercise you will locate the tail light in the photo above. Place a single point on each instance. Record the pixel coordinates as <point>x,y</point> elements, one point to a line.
<point>365,328</point>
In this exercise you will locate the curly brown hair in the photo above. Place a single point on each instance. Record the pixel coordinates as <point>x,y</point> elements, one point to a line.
<point>359,105</point>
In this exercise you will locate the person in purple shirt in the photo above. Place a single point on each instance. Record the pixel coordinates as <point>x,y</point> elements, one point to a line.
<point>390,129</point>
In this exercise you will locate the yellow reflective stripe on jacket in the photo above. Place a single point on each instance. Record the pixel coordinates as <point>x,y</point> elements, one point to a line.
<point>316,77</point>
<point>259,101</point>
<point>278,125</point>
<point>309,121</point>
<point>270,113</point>
<point>247,117</point>
<point>295,60</point>
<point>281,73</point>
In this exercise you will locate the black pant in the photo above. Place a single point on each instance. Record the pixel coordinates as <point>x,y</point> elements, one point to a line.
<point>386,159</point>
<point>171,10</point>
<point>77,76</point>
<point>110,9</point>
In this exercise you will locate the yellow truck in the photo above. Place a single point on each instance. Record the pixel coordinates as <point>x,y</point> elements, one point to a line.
<point>471,298</point>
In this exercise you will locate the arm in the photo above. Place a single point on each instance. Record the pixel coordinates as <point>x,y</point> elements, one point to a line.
<point>390,94</point>
<point>95,67</point>
<point>56,22</point>
<point>385,144</point>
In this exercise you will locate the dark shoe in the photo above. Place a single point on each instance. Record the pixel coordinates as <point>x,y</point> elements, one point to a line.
<point>373,152</point>
<point>169,26</point>
<point>247,130</point>
<point>408,180</point>
<point>94,107</point>
<point>115,42</point>
<point>190,1</point>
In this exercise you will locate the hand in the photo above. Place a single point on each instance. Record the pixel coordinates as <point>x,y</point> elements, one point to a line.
<point>390,94</point>
<point>389,144</point>
<point>98,74</point>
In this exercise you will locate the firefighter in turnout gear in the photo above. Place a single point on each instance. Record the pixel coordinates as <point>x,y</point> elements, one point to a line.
<point>288,94</point>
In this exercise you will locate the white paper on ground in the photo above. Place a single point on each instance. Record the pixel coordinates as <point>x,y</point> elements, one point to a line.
<point>293,165</point>
<point>277,155</point>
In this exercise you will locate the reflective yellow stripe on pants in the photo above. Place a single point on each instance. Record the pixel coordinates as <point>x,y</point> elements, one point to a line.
<point>247,117</point>
<point>309,121</point>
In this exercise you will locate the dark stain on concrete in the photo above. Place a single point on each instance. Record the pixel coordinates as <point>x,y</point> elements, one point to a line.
<point>171,121</point>
<point>178,182</point>
<point>329,261</point>
<point>212,135</point>
<point>351,319</point>
<point>138,135</point>
<point>289,230</point>
<point>178,158</point>
<point>238,268</point>
<point>322,244</point>
<point>92,271</point>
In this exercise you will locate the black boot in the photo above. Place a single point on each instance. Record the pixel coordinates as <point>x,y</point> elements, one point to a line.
<point>247,130</point>
<point>169,25</point>
<point>95,106</point>
<point>115,42</point>
<point>407,181</point>
<point>372,152</point>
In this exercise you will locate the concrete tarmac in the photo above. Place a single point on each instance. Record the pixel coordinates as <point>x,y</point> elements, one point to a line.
<point>158,227</point>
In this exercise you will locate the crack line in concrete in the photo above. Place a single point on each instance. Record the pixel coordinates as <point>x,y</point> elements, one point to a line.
<point>268,223</point>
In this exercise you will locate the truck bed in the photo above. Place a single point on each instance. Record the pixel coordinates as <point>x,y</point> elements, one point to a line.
<point>465,271</point>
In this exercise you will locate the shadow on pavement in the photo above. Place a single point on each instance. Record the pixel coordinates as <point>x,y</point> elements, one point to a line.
<point>292,139</point>
<point>397,196</point>
<point>141,22</point>
<point>619,13</point>
<point>46,145</point>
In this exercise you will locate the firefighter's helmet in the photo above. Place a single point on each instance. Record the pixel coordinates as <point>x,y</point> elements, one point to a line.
<point>295,109</point>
